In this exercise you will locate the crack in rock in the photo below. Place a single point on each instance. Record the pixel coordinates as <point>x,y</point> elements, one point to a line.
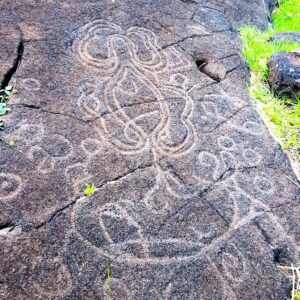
<point>9,74</point>
<point>81,198</point>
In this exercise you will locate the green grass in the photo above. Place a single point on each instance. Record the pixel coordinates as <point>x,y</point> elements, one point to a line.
<point>287,16</point>
<point>108,276</point>
<point>282,114</point>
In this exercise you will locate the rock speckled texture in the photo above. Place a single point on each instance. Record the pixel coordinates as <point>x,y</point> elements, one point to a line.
<point>194,200</point>
<point>284,75</point>
<point>254,12</point>
<point>293,36</point>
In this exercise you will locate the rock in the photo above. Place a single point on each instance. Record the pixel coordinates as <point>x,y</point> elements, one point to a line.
<point>284,75</point>
<point>214,70</point>
<point>194,199</point>
<point>9,43</point>
<point>257,12</point>
<point>293,36</point>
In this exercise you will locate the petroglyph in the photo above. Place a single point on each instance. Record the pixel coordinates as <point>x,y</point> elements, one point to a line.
<point>54,278</point>
<point>138,102</point>
<point>135,111</point>
<point>10,186</point>
<point>234,265</point>
<point>45,150</point>
<point>193,197</point>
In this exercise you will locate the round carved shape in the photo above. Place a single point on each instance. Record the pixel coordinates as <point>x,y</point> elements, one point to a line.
<point>57,146</point>
<point>54,279</point>
<point>10,186</point>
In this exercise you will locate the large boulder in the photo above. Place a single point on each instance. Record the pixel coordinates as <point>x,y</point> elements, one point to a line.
<point>284,75</point>
<point>147,100</point>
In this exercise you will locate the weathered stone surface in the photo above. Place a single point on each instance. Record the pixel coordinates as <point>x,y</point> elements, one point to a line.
<point>254,12</point>
<point>293,36</point>
<point>284,75</point>
<point>195,199</point>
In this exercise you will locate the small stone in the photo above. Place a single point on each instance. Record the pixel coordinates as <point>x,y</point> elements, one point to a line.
<point>285,72</point>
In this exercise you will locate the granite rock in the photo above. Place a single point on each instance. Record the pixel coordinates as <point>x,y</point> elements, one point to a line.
<point>194,199</point>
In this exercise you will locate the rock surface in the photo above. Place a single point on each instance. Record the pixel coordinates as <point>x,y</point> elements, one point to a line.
<point>293,36</point>
<point>194,200</point>
<point>284,75</point>
<point>254,12</point>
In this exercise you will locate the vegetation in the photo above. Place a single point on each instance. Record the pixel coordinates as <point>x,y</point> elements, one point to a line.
<point>5,94</point>
<point>296,283</point>
<point>282,114</point>
<point>89,189</point>
<point>3,109</point>
<point>294,274</point>
<point>108,280</point>
<point>287,16</point>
